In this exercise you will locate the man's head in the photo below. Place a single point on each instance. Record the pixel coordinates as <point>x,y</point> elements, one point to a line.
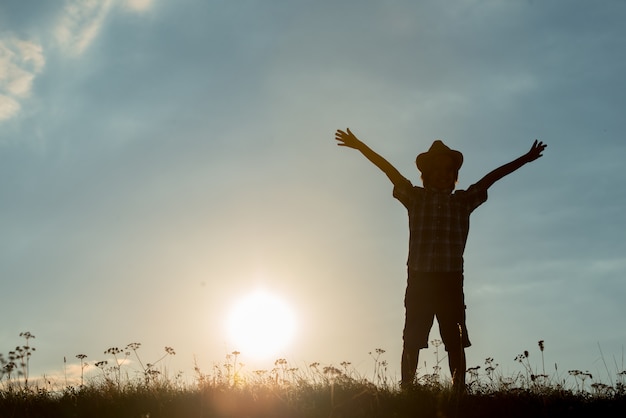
<point>439,166</point>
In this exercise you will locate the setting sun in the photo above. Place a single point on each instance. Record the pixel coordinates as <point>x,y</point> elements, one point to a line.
<point>261,324</point>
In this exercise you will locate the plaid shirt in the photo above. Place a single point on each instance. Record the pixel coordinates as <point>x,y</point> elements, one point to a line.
<point>438,225</point>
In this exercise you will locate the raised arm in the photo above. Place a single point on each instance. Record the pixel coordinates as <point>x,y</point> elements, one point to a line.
<point>348,139</point>
<point>534,153</point>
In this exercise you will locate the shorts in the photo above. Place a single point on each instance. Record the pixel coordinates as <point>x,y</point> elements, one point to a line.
<point>430,295</point>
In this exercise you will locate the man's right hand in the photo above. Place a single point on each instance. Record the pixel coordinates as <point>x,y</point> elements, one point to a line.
<point>347,139</point>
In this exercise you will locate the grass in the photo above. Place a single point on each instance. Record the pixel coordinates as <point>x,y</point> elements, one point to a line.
<point>228,390</point>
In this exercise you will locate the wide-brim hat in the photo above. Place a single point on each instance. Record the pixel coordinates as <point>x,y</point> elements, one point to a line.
<point>438,148</point>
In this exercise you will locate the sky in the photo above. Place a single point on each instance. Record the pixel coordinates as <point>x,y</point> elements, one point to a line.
<point>161,160</point>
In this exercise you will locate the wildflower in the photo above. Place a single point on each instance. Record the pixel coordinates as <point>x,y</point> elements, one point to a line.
<point>332,371</point>
<point>133,346</point>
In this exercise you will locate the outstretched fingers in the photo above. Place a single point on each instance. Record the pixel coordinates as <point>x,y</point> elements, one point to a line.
<point>540,146</point>
<point>340,137</point>
<point>536,150</point>
<point>346,138</point>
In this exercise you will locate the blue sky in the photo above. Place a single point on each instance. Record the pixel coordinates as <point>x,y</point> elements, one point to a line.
<point>159,160</point>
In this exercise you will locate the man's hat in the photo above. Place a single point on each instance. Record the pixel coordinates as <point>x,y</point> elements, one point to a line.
<point>438,148</point>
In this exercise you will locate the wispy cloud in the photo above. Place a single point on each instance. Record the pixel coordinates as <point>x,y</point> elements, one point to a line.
<point>80,23</point>
<point>20,61</point>
<point>138,5</point>
<point>9,107</point>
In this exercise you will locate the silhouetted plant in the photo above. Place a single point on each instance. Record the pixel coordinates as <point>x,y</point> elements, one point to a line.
<point>83,364</point>
<point>18,361</point>
<point>24,353</point>
<point>150,374</point>
<point>316,390</point>
<point>580,377</point>
<point>380,368</point>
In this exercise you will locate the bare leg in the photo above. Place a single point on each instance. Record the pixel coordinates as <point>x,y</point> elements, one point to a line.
<point>457,363</point>
<point>409,366</point>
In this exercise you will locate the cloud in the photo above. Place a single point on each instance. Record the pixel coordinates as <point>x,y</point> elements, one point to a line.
<point>138,5</point>
<point>82,21</point>
<point>9,107</point>
<point>80,24</point>
<point>20,61</point>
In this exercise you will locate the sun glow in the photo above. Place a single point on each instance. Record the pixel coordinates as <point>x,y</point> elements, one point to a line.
<point>260,325</point>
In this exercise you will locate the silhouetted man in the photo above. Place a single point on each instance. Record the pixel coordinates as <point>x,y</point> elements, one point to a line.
<point>438,225</point>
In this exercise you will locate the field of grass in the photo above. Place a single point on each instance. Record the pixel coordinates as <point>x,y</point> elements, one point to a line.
<point>318,391</point>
